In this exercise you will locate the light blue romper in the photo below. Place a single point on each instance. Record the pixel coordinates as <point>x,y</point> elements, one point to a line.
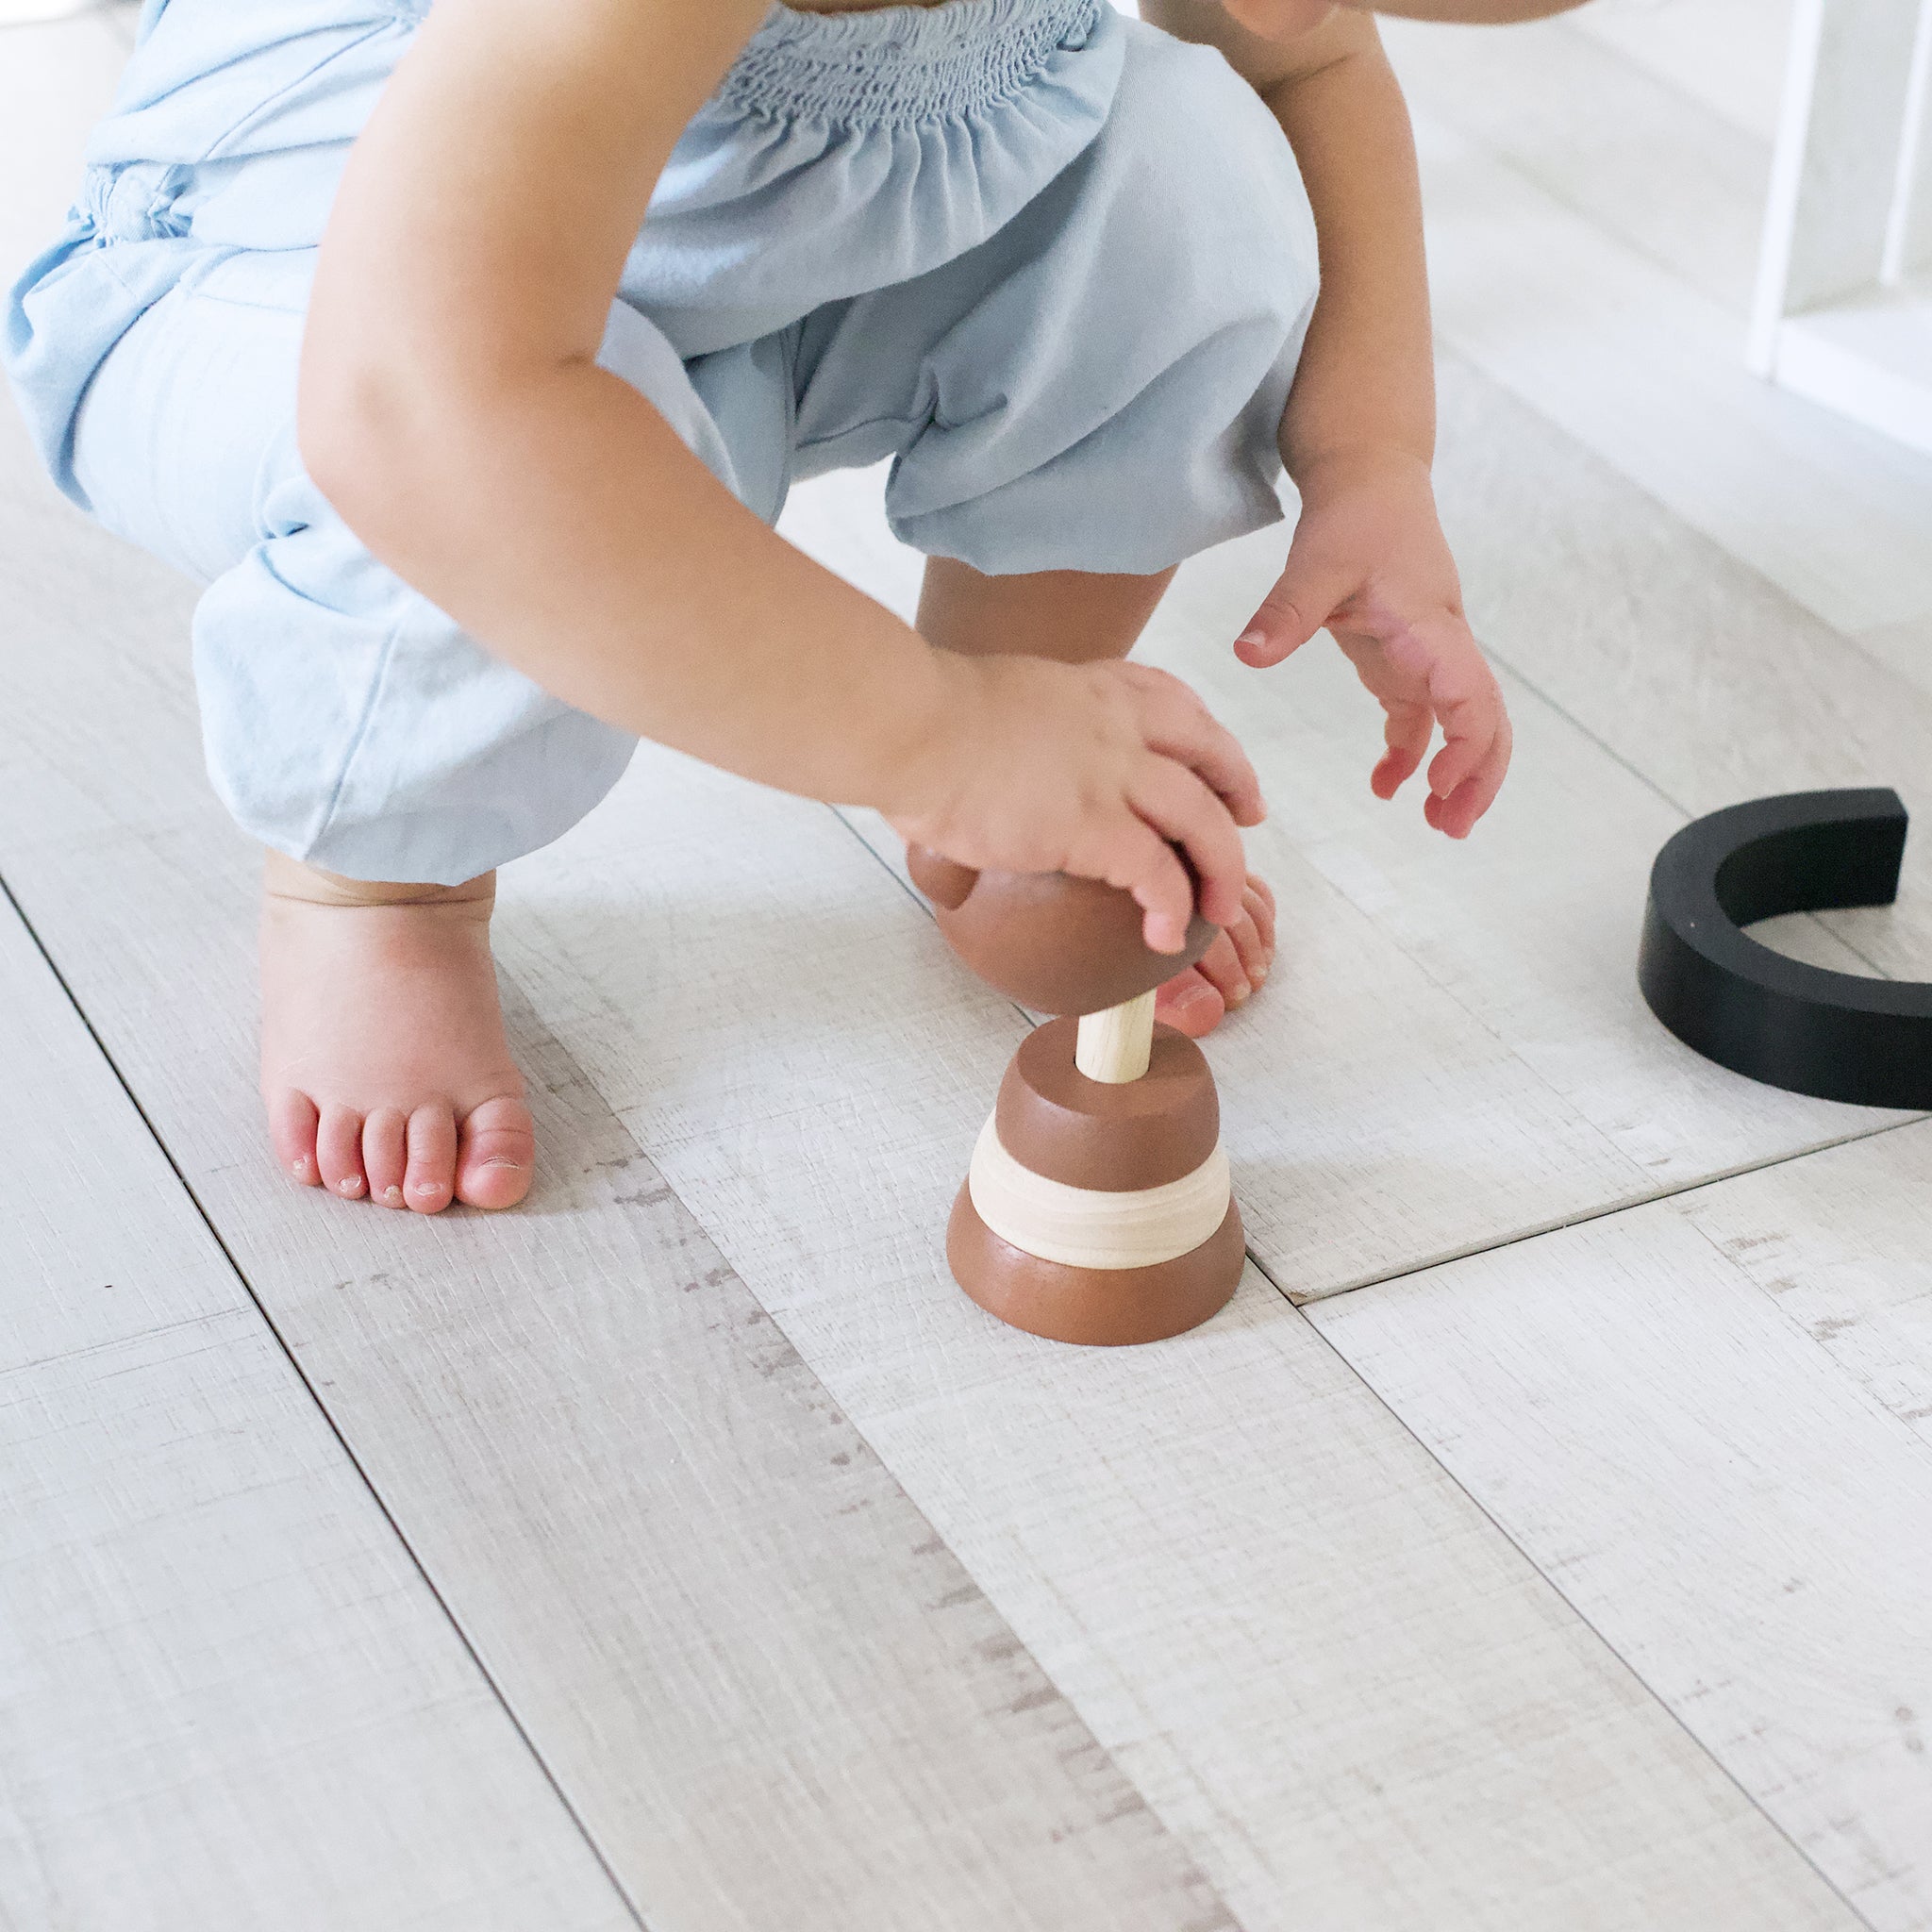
<point>1055,264</point>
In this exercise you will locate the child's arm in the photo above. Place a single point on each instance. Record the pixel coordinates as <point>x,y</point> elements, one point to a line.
<point>1369,562</point>
<point>453,412</point>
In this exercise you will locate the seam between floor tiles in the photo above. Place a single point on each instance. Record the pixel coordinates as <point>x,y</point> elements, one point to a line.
<point>1607,1213</point>
<point>1181,1841</point>
<point>1624,1205</point>
<point>1696,1743</point>
<point>496,1690</point>
<point>450,1617</point>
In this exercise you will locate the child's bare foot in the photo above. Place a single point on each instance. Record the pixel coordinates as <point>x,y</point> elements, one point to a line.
<point>1231,970</point>
<point>383,1057</point>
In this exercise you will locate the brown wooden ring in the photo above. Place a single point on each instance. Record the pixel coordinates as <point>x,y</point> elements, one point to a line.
<point>1097,1307</point>
<point>1056,943</point>
<point>1142,1133</point>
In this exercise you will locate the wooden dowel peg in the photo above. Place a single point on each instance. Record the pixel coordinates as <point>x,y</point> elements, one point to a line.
<point>1115,1045</point>
<point>1097,1207</point>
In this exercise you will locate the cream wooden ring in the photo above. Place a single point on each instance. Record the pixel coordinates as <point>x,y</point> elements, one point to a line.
<point>1094,1227</point>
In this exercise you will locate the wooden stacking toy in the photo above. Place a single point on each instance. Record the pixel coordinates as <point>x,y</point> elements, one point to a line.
<point>1097,1207</point>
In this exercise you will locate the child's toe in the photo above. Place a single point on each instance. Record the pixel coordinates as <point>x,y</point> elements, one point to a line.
<point>291,1123</point>
<point>497,1152</point>
<point>1223,966</point>
<point>430,1180</point>
<point>1259,904</point>
<point>386,1153</point>
<point>1190,1002</point>
<point>339,1151</point>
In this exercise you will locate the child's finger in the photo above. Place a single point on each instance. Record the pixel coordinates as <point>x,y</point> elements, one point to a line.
<point>1259,901</point>
<point>1469,732</point>
<point>1455,813</point>
<point>1179,726</point>
<point>1458,813</point>
<point>1470,707</point>
<point>1224,968</point>
<point>1182,809</point>
<point>1145,866</point>
<point>1407,732</point>
<point>1310,587</point>
<point>1457,801</point>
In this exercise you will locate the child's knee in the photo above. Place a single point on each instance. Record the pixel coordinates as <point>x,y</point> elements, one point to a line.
<point>1112,399</point>
<point>175,438</point>
<point>1204,178</point>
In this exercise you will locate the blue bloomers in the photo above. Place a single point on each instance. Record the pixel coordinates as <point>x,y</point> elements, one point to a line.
<point>1054,264</point>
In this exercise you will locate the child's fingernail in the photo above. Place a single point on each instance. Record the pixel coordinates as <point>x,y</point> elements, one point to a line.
<point>1250,636</point>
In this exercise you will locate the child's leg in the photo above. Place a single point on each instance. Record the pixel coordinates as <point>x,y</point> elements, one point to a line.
<point>1091,393</point>
<point>355,732</point>
<point>1078,617</point>
<point>1075,616</point>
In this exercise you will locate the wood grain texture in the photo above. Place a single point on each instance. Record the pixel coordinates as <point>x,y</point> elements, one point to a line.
<point>1703,1418</point>
<point>228,1698</point>
<point>1728,55</point>
<point>1430,993</point>
<point>1617,144</point>
<point>767,1687</point>
<point>1648,373</point>
<point>1685,665</point>
<point>1331,1675</point>
<point>1114,1045</point>
<point>1319,1665</point>
<point>1904,648</point>
<point>1842,1245</point>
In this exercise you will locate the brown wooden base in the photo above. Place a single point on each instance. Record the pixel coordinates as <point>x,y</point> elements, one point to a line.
<point>1097,1307</point>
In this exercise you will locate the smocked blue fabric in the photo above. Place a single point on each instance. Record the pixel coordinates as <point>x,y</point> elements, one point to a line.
<point>915,132</point>
<point>1054,265</point>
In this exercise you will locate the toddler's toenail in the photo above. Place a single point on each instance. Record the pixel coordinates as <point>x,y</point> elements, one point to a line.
<point>504,1160</point>
<point>392,1194</point>
<point>299,1169</point>
<point>350,1187</point>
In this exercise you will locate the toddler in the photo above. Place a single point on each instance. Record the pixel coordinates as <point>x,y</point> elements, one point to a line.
<point>466,355</point>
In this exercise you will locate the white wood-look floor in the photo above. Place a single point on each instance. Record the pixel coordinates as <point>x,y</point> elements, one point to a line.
<point>1542,1541</point>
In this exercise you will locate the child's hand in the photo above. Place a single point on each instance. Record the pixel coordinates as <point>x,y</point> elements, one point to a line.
<point>1370,564</point>
<point>1099,770</point>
